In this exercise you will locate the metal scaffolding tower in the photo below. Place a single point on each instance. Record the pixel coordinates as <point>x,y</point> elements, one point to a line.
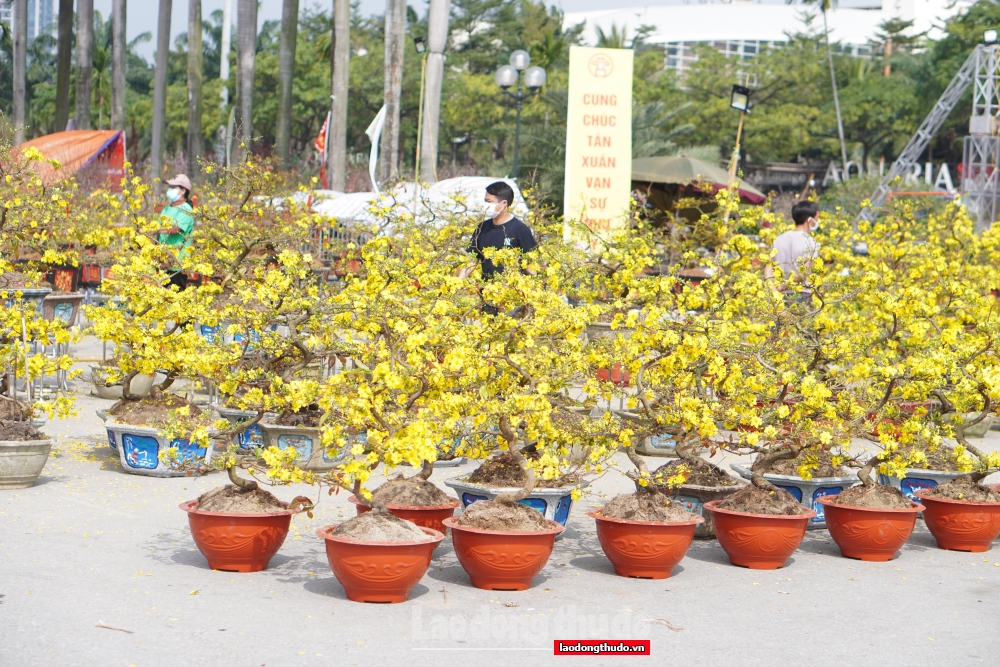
<point>981,150</point>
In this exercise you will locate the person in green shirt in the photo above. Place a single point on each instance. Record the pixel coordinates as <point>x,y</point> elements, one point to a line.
<point>180,212</point>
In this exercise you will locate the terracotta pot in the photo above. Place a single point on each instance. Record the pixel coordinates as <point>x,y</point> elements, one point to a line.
<point>499,560</point>
<point>237,542</point>
<point>961,525</point>
<point>378,571</point>
<point>644,549</point>
<point>758,541</point>
<point>869,533</point>
<point>693,498</point>
<point>429,516</point>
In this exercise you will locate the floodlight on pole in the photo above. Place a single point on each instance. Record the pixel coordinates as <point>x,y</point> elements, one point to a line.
<point>990,36</point>
<point>534,79</point>
<point>420,44</point>
<point>740,98</point>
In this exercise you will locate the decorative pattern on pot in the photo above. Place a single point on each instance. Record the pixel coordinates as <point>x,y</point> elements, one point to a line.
<point>807,492</point>
<point>63,307</point>
<point>554,504</point>
<point>961,525</point>
<point>139,448</point>
<point>918,479</point>
<point>249,438</point>
<point>644,549</point>
<point>378,571</point>
<point>500,560</point>
<point>22,461</point>
<point>237,542</point>
<point>307,443</point>
<point>758,541</point>
<point>870,533</point>
<point>425,516</point>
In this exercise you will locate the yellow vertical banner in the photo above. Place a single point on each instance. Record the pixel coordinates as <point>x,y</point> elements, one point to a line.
<point>598,138</point>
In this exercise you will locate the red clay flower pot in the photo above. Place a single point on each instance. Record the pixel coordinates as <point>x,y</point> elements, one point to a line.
<point>498,560</point>
<point>429,516</point>
<point>869,533</point>
<point>644,549</point>
<point>959,524</point>
<point>237,542</point>
<point>378,571</point>
<point>758,541</point>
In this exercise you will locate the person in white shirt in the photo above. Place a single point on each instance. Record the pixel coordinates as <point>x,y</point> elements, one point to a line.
<point>797,246</point>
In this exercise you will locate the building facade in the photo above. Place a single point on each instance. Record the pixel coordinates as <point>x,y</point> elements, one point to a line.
<point>742,28</point>
<point>41,17</point>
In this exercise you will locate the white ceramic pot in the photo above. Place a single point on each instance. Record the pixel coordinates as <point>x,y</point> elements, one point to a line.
<point>139,448</point>
<point>141,384</point>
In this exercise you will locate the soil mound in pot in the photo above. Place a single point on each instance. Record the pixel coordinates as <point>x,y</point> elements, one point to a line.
<point>151,411</point>
<point>410,492</point>
<point>645,507</point>
<point>501,470</point>
<point>790,467</point>
<point>701,472</point>
<point>760,501</point>
<point>309,417</point>
<point>18,431</point>
<point>230,499</point>
<point>379,527</point>
<point>963,488</point>
<point>876,496</point>
<point>510,517</point>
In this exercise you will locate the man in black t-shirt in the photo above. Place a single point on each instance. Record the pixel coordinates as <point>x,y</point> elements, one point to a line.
<point>500,230</point>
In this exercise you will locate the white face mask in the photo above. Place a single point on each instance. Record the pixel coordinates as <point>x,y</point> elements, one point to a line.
<point>173,194</point>
<point>813,224</point>
<point>491,210</point>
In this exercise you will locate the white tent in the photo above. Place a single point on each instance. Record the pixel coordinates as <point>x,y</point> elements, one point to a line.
<point>454,196</point>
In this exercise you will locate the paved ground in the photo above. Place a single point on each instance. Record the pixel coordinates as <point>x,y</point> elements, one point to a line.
<point>90,546</point>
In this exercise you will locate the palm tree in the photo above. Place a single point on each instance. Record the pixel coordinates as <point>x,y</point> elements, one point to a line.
<point>64,52</point>
<point>286,72</point>
<point>118,51</point>
<point>101,66</point>
<point>160,87</point>
<point>340,56</point>
<point>246,51</point>
<point>20,21</point>
<point>395,29</point>
<point>84,61</point>
<point>437,39</point>
<point>195,145</point>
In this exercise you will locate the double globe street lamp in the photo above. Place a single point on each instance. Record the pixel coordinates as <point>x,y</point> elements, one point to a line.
<point>533,79</point>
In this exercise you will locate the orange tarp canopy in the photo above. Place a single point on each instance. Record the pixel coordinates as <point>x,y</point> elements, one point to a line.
<point>74,149</point>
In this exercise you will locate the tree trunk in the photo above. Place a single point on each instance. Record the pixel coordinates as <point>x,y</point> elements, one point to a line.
<point>119,44</point>
<point>64,61</point>
<point>226,47</point>
<point>395,30</point>
<point>195,143</point>
<point>84,61</point>
<point>20,21</point>
<point>340,54</point>
<point>246,51</point>
<point>437,40</point>
<point>160,89</point>
<point>286,73</point>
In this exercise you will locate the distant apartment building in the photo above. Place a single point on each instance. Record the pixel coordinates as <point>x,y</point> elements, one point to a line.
<point>41,16</point>
<point>742,28</point>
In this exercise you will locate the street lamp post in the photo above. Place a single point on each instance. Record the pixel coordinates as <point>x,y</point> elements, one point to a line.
<point>533,79</point>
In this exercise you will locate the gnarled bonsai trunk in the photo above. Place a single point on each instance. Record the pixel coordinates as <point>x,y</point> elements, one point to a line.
<point>764,460</point>
<point>529,475</point>
<point>425,471</point>
<point>243,485</point>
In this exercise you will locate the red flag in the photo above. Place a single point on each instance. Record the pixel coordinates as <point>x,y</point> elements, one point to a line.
<point>320,142</point>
